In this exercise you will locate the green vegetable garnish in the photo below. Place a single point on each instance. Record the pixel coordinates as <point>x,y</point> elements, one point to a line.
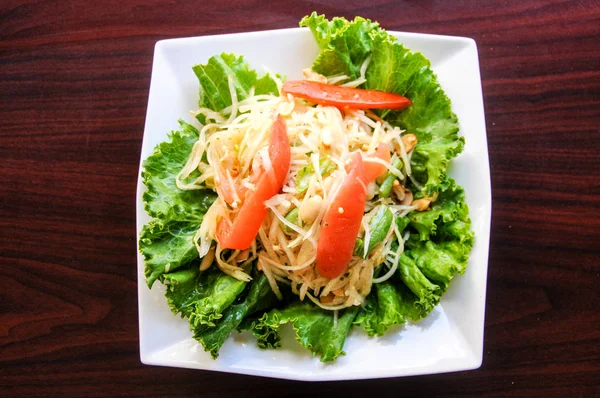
<point>326,167</point>
<point>388,183</point>
<point>315,328</point>
<point>380,225</point>
<point>292,217</point>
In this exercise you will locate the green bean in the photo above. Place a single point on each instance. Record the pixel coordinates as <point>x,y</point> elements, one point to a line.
<point>379,226</point>
<point>326,166</point>
<point>292,217</point>
<point>386,186</point>
<point>359,247</point>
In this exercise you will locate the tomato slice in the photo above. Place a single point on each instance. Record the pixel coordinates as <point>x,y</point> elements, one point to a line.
<point>240,233</point>
<point>375,169</point>
<point>342,222</point>
<point>344,97</point>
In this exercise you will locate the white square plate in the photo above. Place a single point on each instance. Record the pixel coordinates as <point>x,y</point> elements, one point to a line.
<point>450,339</point>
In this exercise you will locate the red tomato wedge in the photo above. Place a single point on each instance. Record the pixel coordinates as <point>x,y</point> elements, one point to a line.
<point>344,97</point>
<point>240,234</point>
<point>340,227</point>
<point>375,169</point>
<point>342,222</point>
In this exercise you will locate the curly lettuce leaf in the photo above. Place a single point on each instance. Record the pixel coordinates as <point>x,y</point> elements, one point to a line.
<point>428,293</point>
<point>208,300</point>
<point>393,304</point>
<point>445,235</point>
<point>215,303</point>
<point>167,246</point>
<point>315,328</point>
<point>166,242</point>
<point>408,302</point>
<point>214,81</point>
<point>259,297</point>
<point>220,293</point>
<point>457,229</point>
<point>448,209</point>
<point>162,198</point>
<point>202,297</point>
<point>381,311</point>
<point>183,290</point>
<point>441,248</point>
<point>394,68</point>
<point>345,45</point>
<point>440,262</point>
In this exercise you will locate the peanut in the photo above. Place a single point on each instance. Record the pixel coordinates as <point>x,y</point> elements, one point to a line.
<point>310,208</point>
<point>398,190</point>
<point>327,299</point>
<point>421,204</point>
<point>371,190</point>
<point>326,137</point>
<point>311,75</point>
<point>409,141</point>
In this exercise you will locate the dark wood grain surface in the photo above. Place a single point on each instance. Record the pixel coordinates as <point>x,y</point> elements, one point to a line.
<point>74,79</point>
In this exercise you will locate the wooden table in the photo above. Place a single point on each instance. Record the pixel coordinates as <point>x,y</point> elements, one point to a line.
<point>74,81</point>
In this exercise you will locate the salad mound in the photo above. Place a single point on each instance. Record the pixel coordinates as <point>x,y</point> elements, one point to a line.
<point>324,203</point>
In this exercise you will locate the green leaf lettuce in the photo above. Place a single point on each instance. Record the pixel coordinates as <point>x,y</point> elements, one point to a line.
<point>381,311</point>
<point>315,328</point>
<point>442,248</point>
<point>259,297</point>
<point>214,81</point>
<point>345,45</point>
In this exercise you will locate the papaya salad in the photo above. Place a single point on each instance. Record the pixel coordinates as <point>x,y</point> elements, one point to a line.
<point>322,202</point>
